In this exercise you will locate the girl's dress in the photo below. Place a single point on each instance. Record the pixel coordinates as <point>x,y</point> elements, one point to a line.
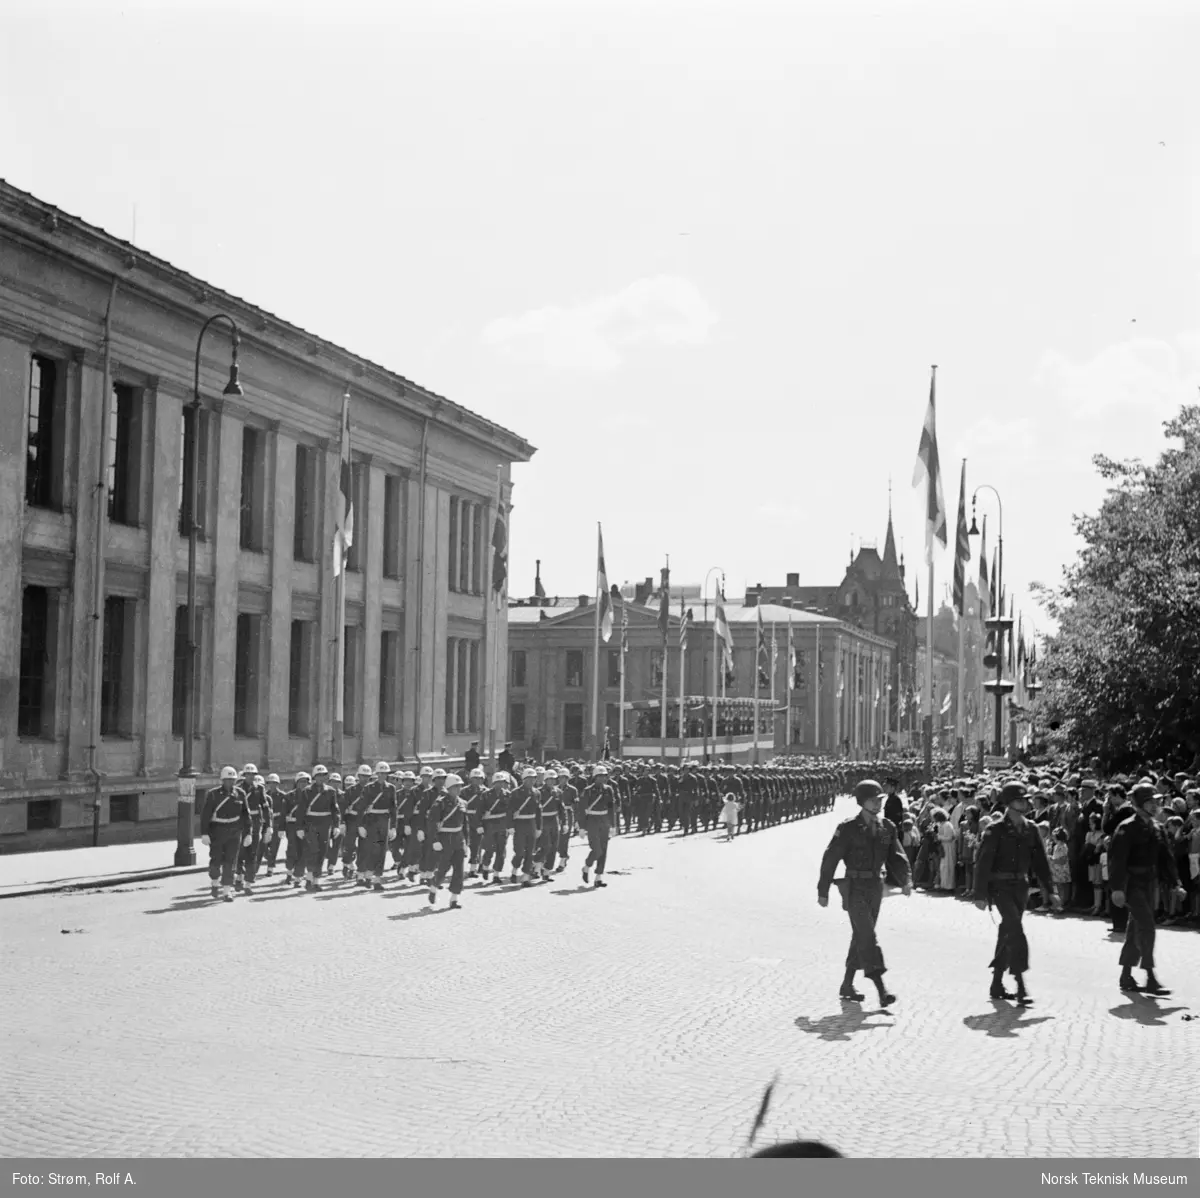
<point>1060,863</point>
<point>1095,839</point>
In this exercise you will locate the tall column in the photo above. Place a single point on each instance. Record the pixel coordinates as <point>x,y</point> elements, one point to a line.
<point>467,528</point>
<point>282,449</point>
<point>162,412</point>
<point>226,548</point>
<point>16,346</point>
<point>372,625</point>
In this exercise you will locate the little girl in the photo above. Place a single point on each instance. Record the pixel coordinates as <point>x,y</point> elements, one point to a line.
<point>1091,852</point>
<point>1104,869</point>
<point>729,815</point>
<point>1060,867</point>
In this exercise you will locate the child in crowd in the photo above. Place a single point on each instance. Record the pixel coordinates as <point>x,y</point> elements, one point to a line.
<point>1060,866</point>
<point>910,839</point>
<point>970,845</point>
<point>1104,871</point>
<point>729,815</point>
<point>1092,845</point>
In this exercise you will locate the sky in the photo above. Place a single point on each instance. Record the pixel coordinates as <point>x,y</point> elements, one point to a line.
<point>701,256</point>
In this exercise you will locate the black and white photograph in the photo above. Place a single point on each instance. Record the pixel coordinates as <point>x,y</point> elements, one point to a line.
<point>599,581</point>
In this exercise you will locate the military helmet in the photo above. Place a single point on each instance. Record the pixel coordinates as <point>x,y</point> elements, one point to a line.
<point>867,789</point>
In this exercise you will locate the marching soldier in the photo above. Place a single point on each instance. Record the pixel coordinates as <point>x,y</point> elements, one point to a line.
<point>409,827</point>
<point>351,812</point>
<point>224,828</point>
<point>526,816</point>
<point>472,797</point>
<point>446,838</point>
<point>566,829</point>
<point>292,802</point>
<point>494,817</point>
<point>1138,859</point>
<point>259,807</point>
<point>1009,848</point>
<point>868,845</point>
<point>317,825</point>
<point>600,810</point>
<point>375,815</point>
<point>270,848</point>
<point>554,814</point>
<point>688,797</point>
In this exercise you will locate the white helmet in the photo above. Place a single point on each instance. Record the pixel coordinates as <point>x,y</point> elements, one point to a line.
<point>259,780</point>
<point>335,777</point>
<point>382,767</point>
<point>249,769</point>
<point>228,774</point>
<point>600,771</point>
<point>552,774</point>
<point>528,774</point>
<point>453,780</point>
<point>426,771</point>
<point>303,776</point>
<point>477,772</point>
<point>319,771</point>
<point>272,778</point>
<point>364,770</point>
<point>439,773</point>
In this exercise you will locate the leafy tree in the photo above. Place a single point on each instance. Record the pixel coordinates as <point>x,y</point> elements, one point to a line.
<point>1122,674</point>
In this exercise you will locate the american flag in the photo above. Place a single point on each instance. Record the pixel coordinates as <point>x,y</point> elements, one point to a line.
<point>928,470</point>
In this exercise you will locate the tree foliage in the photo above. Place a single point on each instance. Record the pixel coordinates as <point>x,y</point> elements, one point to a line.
<point>1123,672</point>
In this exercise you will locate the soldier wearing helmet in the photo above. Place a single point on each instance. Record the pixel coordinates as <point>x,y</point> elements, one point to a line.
<point>494,817</point>
<point>870,846</point>
<point>446,837</point>
<point>292,801</point>
<point>374,815</point>
<point>1009,847</point>
<point>1140,860</point>
<point>525,815</point>
<point>554,813</point>
<point>274,832</point>
<point>317,825</point>
<point>599,803</point>
<point>225,828</point>
<point>359,787</point>
<point>259,807</point>
<point>472,799</point>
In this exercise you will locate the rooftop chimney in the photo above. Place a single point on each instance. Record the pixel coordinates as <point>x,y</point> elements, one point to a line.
<point>793,580</point>
<point>583,601</point>
<point>787,601</point>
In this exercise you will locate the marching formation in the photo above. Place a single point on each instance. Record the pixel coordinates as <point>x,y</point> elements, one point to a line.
<point>439,828</point>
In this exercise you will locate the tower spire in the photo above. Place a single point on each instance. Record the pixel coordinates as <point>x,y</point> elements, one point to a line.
<point>891,568</point>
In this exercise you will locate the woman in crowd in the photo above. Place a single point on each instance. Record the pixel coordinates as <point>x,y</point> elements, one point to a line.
<point>970,846</point>
<point>947,836</point>
<point>1091,856</point>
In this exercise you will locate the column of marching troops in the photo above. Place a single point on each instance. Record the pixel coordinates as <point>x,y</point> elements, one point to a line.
<point>436,826</point>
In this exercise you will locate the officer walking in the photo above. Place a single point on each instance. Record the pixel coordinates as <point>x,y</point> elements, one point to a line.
<point>869,845</point>
<point>317,826</point>
<point>1138,859</point>
<point>446,839</point>
<point>525,812</point>
<point>599,810</point>
<point>494,816</point>
<point>1008,849</point>
<point>375,815</point>
<point>224,828</point>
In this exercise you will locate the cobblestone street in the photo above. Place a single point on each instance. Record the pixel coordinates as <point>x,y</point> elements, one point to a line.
<point>641,1020</point>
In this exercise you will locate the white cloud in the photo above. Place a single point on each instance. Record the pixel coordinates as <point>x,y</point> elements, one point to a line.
<point>592,336</point>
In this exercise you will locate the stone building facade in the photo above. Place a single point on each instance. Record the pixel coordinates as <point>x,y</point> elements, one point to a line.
<point>97,353</point>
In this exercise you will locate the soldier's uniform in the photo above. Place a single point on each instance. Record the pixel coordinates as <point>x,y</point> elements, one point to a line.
<point>259,807</point>
<point>317,825</point>
<point>375,817</point>
<point>570,800</point>
<point>292,801</point>
<point>553,815</point>
<point>343,790</point>
<point>446,837</point>
<point>406,847</point>
<point>225,823</point>
<point>869,847</point>
<point>356,798</point>
<point>472,798</point>
<point>525,814</point>
<point>494,815</point>
<point>1007,854</point>
<point>270,848</point>
<point>600,809</point>
<point>688,795</point>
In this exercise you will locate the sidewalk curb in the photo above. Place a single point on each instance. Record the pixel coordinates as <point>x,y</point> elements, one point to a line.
<point>100,883</point>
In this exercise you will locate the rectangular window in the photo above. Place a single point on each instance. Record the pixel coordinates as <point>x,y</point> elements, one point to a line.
<point>300,679</point>
<point>203,433</point>
<point>452,553</point>
<point>656,668</point>
<point>43,451</point>
<point>473,689</point>
<point>304,526</point>
<point>35,696</point>
<point>358,501</point>
<point>574,667</point>
<point>392,491</point>
<point>477,550</point>
<point>253,482</point>
<point>124,455</point>
<point>41,814</point>
<point>516,721</point>
<point>614,667</point>
<point>451,675</point>
<point>612,721</point>
<point>572,726</point>
<point>247,675</point>
<point>464,546</point>
<point>516,668</point>
<point>350,689</point>
<point>116,681</point>
<point>462,663</point>
<point>122,809</point>
<point>389,683</point>
<point>179,678</point>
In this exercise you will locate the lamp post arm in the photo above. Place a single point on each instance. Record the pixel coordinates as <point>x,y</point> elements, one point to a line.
<point>200,341</point>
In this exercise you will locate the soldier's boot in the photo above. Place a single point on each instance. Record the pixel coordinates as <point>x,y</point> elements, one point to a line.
<point>886,998</point>
<point>1153,986</point>
<point>454,901</point>
<point>997,990</point>
<point>377,883</point>
<point>1127,982</point>
<point>248,888</point>
<point>432,894</point>
<point>848,991</point>
<point>227,893</point>
<point>599,882</point>
<point>586,878</point>
<point>216,890</point>
<point>1023,999</point>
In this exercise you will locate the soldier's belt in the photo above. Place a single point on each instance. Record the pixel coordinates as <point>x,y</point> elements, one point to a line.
<point>524,817</point>
<point>862,873</point>
<point>501,816</point>
<point>237,819</point>
<point>456,828</point>
<point>1009,877</point>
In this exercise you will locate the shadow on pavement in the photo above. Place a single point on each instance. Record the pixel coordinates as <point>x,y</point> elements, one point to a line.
<point>582,888</point>
<point>843,1026</point>
<point>1144,1009</point>
<point>1004,1021</point>
<point>422,913</point>
<point>193,904</point>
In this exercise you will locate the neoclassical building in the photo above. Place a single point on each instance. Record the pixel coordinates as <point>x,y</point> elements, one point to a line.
<point>98,342</point>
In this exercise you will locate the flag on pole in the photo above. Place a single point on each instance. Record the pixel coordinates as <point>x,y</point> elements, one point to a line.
<point>1020,644</point>
<point>928,470</point>
<point>946,702</point>
<point>760,657</point>
<point>791,656</point>
<point>984,598</point>
<point>685,620</point>
<point>624,633</point>
<point>343,535</point>
<point>664,608</point>
<point>962,547</point>
<point>603,598</point>
<point>724,635</point>
<point>499,550</point>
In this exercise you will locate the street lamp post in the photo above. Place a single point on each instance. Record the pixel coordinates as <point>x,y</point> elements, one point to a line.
<point>185,851</point>
<point>998,622</point>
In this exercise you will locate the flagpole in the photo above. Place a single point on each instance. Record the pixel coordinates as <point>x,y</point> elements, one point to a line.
<point>337,746</point>
<point>817,691</point>
<point>624,654</point>
<point>494,663</point>
<point>714,681</point>
<point>774,664</point>
<point>664,620</point>
<point>682,678</point>
<point>596,749</point>
<point>757,671</point>
<point>960,714</point>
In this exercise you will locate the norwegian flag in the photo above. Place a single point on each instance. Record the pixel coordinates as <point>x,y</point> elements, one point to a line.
<point>685,621</point>
<point>928,470</point>
<point>343,533</point>
<point>604,599</point>
<point>962,547</point>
